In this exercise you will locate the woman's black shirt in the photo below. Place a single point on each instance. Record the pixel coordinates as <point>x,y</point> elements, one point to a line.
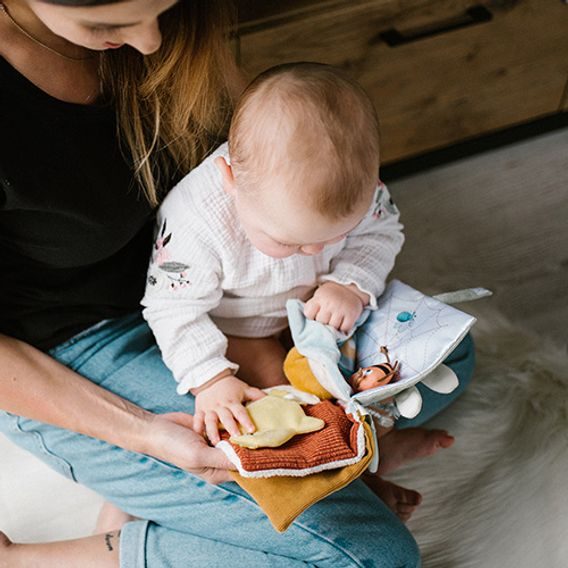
<point>75,230</point>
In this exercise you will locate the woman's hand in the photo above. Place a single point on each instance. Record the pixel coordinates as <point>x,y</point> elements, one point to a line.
<point>85,407</point>
<point>172,439</point>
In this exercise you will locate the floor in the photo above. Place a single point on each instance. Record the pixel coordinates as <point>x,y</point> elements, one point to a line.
<point>499,220</point>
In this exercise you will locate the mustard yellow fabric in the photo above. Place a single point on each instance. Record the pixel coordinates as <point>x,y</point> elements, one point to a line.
<point>298,372</point>
<point>285,498</point>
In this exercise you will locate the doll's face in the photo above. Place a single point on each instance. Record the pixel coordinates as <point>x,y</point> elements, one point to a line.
<point>369,378</point>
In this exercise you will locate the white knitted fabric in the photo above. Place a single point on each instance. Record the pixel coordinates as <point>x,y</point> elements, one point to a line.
<point>206,279</point>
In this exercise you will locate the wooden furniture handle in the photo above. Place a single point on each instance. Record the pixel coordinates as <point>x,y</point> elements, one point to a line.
<point>473,16</point>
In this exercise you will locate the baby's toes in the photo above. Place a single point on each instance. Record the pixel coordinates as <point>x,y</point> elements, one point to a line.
<point>407,497</point>
<point>401,501</point>
<point>406,501</point>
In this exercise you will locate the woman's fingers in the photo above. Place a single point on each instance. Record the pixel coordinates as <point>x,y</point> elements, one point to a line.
<point>212,464</point>
<point>181,418</point>
<point>173,441</point>
<point>216,476</point>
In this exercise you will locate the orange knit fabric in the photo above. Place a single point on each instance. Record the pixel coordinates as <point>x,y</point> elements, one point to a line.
<point>337,440</point>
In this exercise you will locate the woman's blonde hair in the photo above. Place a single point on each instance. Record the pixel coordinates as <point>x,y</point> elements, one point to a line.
<point>173,106</point>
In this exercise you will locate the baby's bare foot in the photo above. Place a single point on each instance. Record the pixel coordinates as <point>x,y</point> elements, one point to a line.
<point>400,446</point>
<point>111,518</point>
<point>402,502</point>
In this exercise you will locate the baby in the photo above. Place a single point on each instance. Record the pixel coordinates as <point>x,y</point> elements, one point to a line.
<point>290,207</point>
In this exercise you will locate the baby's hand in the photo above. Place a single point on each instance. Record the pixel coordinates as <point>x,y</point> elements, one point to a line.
<point>336,305</point>
<point>222,402</point>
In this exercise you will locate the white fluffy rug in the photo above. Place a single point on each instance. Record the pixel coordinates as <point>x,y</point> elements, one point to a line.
<point>498,498</point>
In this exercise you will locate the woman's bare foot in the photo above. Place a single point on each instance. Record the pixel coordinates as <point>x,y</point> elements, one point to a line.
<point>401,446</point>
<point>402,502</point>
<point>111,518</point>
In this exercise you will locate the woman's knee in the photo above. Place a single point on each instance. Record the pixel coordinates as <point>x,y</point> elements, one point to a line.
<point>402,552</point>
<point>378,545</point>
<point>406,553</point>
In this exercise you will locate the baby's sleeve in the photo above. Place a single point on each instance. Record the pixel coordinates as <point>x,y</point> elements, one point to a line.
<point>370,249</point>
<point>183,285</point>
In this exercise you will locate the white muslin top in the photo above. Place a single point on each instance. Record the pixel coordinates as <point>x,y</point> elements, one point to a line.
<point>205,278</point>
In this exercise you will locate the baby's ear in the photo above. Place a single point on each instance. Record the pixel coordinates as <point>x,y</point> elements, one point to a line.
<point>227,175</point>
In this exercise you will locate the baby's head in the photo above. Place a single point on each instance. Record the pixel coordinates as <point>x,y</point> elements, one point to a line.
<point>304,151</point>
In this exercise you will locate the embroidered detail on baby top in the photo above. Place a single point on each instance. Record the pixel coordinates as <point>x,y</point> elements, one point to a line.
<point>383,202</point>
<point>175,271</point>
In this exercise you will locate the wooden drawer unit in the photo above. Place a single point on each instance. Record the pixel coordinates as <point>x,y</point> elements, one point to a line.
<point>447,70</point>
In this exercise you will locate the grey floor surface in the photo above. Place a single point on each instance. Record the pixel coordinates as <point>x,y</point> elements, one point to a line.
<point>499,220</point>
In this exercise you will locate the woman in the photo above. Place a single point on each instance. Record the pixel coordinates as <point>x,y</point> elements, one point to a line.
<point>82,384</point>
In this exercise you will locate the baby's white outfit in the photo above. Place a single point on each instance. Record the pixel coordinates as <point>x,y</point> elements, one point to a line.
<point>206,279</point>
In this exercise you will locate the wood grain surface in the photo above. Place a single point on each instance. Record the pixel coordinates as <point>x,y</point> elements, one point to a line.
<point>564,103</point>
<point>440,89</point>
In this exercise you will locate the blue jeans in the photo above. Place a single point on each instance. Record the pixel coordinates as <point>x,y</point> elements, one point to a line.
<point>191,522</point>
